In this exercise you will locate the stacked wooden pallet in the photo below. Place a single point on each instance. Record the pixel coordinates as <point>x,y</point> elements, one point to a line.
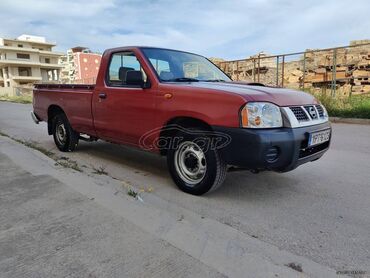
<point>350,68</point>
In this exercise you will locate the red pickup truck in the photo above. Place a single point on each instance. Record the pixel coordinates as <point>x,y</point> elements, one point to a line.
<point>181,105</point>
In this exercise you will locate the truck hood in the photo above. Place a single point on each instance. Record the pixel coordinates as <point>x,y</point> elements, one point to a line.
<point>279,96</point>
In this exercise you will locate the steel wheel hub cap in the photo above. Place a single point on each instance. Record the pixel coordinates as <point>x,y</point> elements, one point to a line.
<point>61,133</point>
<point>190,162</point>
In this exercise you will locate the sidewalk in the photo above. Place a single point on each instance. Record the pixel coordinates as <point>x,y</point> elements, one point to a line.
<point>50,230</point>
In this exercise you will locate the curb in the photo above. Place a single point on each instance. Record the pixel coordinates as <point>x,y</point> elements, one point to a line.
<point>350,121</point>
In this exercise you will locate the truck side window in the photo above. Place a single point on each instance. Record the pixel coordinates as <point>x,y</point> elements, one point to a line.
<point>160,65</point>
<point>120,64</point>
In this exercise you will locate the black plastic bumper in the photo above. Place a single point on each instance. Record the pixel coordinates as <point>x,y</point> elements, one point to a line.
<point>280,149</point>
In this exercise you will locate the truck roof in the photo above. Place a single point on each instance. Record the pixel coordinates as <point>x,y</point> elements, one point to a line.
<point>142,46</point>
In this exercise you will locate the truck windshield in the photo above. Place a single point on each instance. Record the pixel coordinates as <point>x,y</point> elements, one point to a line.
<point>177,66</point>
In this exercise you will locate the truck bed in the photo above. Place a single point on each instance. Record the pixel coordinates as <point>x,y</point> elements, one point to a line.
<point>74,99</point>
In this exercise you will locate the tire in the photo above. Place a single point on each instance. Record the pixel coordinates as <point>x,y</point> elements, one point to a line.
<point>65,138</point>
<point>188,157</point>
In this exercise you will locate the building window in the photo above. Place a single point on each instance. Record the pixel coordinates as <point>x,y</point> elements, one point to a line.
<point>20,45</point>
<point>47,60</point>
<point>24,72</point>
<point>23,56</point>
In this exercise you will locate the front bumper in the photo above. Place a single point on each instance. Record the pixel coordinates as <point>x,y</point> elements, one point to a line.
<point>280,149</point>
<point>35,118</point>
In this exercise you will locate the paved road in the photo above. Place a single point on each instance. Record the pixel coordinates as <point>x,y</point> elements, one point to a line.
<point>319,211</point>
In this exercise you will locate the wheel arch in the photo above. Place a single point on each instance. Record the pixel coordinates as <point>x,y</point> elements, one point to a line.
<point>53,110</point>
<point>185,122</point>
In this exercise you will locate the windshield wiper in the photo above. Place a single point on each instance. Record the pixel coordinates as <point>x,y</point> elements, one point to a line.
<point>214,80</point>
<point>182,79</point>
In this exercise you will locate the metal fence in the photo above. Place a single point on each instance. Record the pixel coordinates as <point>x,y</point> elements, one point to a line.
<point>342,71</point>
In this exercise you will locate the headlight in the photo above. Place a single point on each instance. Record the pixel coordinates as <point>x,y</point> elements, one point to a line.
<point>325,111</point>
<point>261,115</point>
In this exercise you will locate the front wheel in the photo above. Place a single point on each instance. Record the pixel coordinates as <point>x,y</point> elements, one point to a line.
<point>65,138</point>
<point>194,168</point>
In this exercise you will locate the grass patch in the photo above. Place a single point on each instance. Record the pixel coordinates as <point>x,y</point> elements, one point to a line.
<point>351,107</point>
<point>25,99</point>
<point>100,171</point>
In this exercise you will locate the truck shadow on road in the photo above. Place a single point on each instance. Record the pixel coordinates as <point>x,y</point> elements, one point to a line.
<point>240,184</point>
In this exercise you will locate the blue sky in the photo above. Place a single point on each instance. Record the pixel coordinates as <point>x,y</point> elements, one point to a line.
<point>226,29</point>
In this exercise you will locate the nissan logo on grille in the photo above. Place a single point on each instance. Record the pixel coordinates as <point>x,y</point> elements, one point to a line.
<point>312,112</point>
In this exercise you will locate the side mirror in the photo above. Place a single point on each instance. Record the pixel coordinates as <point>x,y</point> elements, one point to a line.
<point>134,77</point>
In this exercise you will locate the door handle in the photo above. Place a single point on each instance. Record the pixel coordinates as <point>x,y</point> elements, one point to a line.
<point>103,95</point>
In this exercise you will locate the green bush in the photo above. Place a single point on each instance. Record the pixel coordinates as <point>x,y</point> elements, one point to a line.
<point>351,107</point>
<point>18,99</point>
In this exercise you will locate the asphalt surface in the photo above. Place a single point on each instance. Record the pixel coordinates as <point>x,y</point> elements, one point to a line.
<point>320,211</point>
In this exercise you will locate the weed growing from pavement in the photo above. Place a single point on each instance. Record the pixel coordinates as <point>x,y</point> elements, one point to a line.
<point>69,164</point>
<point>295,266</point>
<point>34,146</point>
<point>62,161</point>
<point>100,171</point>
<point>3,134</point>
<point>30,144</point>
<point>132,193</point>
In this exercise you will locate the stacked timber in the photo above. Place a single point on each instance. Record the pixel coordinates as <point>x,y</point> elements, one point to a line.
<point>350,68</point>
<point>316,70</point>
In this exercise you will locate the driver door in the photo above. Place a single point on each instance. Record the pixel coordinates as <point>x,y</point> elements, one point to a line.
<point>122,112</point>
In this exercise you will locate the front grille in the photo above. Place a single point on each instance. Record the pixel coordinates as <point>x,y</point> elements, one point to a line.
<point>299,113</point>
<point>320,110</point>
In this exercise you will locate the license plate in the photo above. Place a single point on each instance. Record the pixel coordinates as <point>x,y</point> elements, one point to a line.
<point>318,137</point>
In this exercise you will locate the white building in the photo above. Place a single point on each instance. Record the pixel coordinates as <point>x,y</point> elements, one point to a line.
<point>25,61</point>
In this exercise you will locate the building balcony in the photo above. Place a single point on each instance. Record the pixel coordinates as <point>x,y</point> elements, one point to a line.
<point>48,53</point>
<point>50,66</point>
<point>11,62</point>
<point>51,53</point>
<point>18,49</point>
<point>26,78</point>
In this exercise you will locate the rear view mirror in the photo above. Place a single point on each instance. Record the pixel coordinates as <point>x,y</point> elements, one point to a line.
<point>134,77</point>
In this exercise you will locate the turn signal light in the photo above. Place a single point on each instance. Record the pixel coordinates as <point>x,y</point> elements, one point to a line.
<point>244,116</point>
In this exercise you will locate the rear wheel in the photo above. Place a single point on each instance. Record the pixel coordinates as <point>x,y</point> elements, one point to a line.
<point>195,168</point>
<point>65,138</point>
